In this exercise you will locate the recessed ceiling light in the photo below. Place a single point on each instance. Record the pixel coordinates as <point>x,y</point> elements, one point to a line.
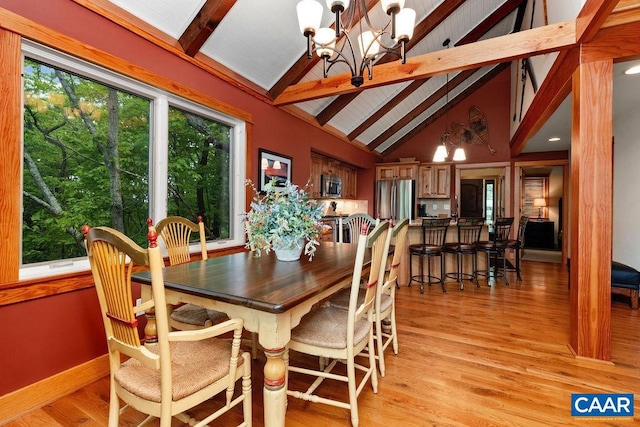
<point>633,70</point>
<point>554,139</point>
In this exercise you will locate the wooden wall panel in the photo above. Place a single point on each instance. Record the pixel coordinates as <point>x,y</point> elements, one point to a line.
<point>10,129</point>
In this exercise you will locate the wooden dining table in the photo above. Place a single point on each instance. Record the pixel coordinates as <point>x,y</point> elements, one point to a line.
<point>271,297</point>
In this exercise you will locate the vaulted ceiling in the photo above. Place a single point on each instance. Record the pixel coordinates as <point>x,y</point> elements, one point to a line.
<point>256,45</point>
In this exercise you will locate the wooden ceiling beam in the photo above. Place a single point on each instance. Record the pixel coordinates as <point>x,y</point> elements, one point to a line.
<point>591,17</point>
<point>204,24</point>
<point>421,30</point>
<point>474,35</point>
<point>550,38</point>
<point>455,101</point>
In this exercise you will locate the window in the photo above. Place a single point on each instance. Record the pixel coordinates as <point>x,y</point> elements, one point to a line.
<point>535,187</point>
<point>102,149</point>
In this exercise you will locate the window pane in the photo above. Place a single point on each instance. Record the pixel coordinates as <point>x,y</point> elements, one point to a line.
<point>199,170</point>
<point>86,150</point>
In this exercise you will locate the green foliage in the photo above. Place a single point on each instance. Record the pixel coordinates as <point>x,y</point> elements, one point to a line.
<point>283,218</point>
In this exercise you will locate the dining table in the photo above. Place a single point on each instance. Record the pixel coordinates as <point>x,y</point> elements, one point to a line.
<point>271,297</point>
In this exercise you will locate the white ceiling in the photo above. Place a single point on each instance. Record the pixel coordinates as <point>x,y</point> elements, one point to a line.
<point>259,42</point>
<point>626,94</point>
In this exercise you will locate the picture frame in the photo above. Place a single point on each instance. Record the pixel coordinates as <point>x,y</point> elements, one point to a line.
<point>273,165</point>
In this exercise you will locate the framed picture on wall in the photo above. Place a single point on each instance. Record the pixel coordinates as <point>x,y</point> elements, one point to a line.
<point>273,166</point>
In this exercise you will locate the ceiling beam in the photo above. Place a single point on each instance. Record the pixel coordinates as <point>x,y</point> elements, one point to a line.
<point>474,35</point>
<point>591,17</point>
<point>455,101</point>
<point>203,25</point>
<point>550,38</point>
<point>421,30</point>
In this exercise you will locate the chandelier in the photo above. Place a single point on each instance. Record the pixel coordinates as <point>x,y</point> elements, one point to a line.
<point>442,152</point>
<point>373,43</point>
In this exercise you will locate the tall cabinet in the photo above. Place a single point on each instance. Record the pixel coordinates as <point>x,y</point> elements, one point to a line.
<point>323,165</point>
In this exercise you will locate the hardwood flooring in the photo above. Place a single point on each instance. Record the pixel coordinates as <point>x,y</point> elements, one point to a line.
<point>488,356</point>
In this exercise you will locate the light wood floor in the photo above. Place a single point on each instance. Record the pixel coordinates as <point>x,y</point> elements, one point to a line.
<point>483,356</point>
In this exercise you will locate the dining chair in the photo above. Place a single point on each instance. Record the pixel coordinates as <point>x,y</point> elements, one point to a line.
<point>384,313</point>
<point>353,224</point>
<point>339,335</point>
<point>495,249</point>
<point>181,370</point>
<point>518,243</point>
<point>175,232</point>
<point>468,230</point>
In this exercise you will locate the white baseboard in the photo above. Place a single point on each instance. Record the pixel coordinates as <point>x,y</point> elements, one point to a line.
<point>34,396</point>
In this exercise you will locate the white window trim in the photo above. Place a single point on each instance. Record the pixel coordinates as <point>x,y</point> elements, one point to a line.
<point>158,152</point>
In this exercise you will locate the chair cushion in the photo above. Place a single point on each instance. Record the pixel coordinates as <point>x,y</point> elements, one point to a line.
<point>196,315</point>
<point>327,327</point>
<point>622,275</point>
<point>194,365</point>
<point>421,249</point>
<point>341,300</point>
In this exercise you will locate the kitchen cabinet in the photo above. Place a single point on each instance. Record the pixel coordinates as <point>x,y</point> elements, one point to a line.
<point>316,171</point>
<point>391,171</point>
<point>434,181</point>
<point>322,165</point>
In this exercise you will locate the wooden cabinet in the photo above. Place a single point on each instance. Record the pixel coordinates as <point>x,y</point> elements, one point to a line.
<point>316,171</point>
<point>321,165</point>
<point>434,181</point>
<point>389,171</point>
<point>539,234</point>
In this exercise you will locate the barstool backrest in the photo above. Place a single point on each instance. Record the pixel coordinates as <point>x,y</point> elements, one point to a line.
<point>502,229</point>
<point>434,231</point>
<point>522,225</point>
<point>469,230</point>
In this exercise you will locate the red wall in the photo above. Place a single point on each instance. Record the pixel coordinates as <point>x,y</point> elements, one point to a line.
<point>43,337</point>
<point>493,100</point>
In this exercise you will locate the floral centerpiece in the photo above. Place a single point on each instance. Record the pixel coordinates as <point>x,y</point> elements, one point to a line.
<point>283,218</point>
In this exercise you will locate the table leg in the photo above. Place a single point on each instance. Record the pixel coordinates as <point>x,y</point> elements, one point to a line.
<point>274,392</point>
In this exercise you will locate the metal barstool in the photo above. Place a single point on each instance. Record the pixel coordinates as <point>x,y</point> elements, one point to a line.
<point>495,248</point>
<point>468,236</point>
<point>434,233</point>
<point>518,243</point>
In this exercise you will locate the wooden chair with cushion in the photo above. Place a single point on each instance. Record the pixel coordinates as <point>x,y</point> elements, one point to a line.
<point>385,305</point>
<point>180,371</point>
<point>339,335</point>
<point>353,225</point>
<point>175,232</point>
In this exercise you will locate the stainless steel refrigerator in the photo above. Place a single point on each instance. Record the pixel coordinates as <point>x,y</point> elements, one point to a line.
<point>395,199</point>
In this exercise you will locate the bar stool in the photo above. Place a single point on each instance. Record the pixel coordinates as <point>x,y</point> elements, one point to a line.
<point>468,236</point>
<point>495,247</point>
<point>434,233</point>
<point>518,243</point>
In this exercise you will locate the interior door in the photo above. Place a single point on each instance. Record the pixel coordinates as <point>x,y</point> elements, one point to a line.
<point>472,198</point>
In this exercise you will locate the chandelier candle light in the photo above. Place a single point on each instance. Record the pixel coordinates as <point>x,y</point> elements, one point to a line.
<point>349,21</point>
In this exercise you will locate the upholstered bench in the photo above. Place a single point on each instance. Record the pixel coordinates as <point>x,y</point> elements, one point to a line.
<point>624,280</point>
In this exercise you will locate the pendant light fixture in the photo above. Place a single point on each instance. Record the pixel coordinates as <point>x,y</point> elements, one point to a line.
<point>349,24</point>
<point>442,151</point>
